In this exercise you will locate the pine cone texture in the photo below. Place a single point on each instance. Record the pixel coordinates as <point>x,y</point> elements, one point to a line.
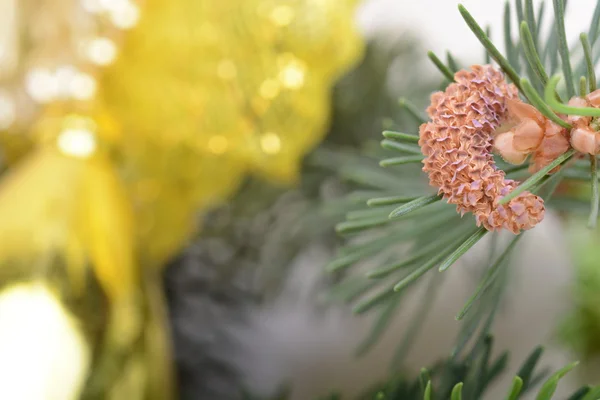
<point>457,145</point>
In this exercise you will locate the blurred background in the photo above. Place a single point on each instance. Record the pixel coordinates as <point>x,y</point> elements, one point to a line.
<point>172,175</point>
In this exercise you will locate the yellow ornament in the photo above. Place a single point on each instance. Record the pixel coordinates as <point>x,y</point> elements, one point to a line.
<point>67,236</point>
<point>207,91</point>
<point>203,93</point>
<point>121,161</point>
<point>246,78</point>
<point>168,204</point>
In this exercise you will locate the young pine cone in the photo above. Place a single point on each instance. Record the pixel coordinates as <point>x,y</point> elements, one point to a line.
<point>457,145</point>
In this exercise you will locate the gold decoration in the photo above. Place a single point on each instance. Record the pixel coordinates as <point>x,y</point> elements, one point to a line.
<point>51,53</point>
<point>120,122</point>
<point>248,78</point>
<point>207,90</point>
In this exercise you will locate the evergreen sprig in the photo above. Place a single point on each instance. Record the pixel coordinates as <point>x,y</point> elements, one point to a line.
<point>393,257</point>
<point>469,378</point>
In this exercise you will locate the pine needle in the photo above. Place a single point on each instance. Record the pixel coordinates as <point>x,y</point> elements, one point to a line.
<point>457,392</point>
<point>549,387</point>
<point>487,43</point>
<point>367,213</point>
<point>452,64</point>
<point>357,226</point>
<point>441,66</point>
<point>391,200</point>
<point>587,51</point>
<point>414,205</point>
<point>536,101</point>
<point>583,89</point>
<point>416,322</point>
<point>487,280</point>
<point>526,370</point>
<point>486,56</point>
<point>390,162</point>
<point>511,53</point>
<point>540,20</point>
<point>563,108</point>
<point>593,32</point>
<point>380,326</point>
<point>595,199</point>
<point>412,110</point>
<point>530,20</point>
<point>515,389</point>
<point>520,12</point>
<point>427,394</point>
<point>402,147</point>
<point>463,248</point>
<point>434,247</point>
<point>563,47</point>
<point>404,137</point>
<point>592,394</point>
<point>534,179</point>
<point>531,53</point>
<point>435,260</point>
<point>368,304</point>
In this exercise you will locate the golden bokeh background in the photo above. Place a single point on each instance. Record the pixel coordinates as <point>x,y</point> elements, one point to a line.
<point>120,123</point>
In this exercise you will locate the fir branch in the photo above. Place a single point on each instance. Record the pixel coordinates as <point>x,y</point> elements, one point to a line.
<point>455,241</point>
